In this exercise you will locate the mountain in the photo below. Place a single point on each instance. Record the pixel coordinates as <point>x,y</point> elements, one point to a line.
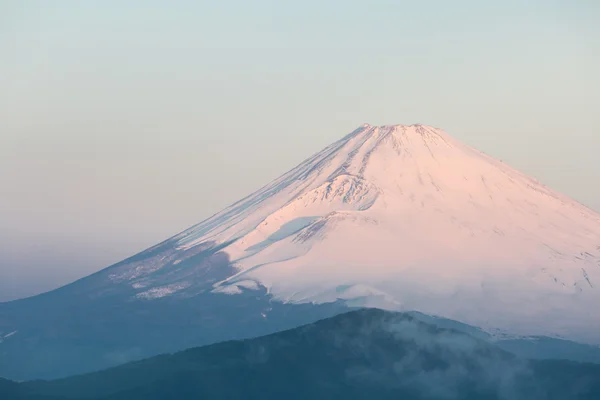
<point>366,354</point>
<point>395,217</point>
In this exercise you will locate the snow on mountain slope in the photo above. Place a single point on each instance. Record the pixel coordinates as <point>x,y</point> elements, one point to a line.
<point>406,217</point>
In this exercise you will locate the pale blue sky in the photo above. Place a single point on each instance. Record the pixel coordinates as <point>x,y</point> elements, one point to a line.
<point>124,122</point>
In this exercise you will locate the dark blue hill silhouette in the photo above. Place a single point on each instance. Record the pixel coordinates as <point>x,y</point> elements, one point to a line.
<point>363,354</point>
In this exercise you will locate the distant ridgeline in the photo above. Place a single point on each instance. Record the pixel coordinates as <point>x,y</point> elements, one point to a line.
<point>365,354</point>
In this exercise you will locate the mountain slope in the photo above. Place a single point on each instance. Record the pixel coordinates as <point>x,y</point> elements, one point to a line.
<point>396,217</point>
<point>366,354</point>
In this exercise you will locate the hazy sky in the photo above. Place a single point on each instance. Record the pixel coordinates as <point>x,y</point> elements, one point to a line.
<point>124,122</point>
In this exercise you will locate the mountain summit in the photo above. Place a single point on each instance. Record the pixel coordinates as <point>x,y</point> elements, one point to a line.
<point>396,217</point>
<point>406,217</point>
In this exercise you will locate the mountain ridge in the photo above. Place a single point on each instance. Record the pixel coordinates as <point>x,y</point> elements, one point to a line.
<point>361,354</point>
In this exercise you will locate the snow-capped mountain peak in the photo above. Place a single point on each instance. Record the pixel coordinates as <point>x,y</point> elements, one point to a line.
<point>408,217</point>
<point>404,218</point>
